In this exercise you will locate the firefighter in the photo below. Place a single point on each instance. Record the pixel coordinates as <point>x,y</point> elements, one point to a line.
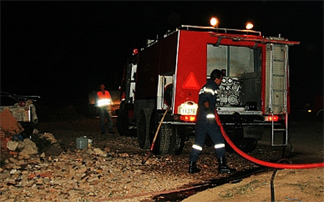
<point>206,124</point>
<point>104,104</point>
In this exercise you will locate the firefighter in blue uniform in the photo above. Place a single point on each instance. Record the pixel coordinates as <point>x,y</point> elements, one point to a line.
<point>206,124</point>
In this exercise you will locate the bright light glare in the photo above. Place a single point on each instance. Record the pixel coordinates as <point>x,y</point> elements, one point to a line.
<point>249,25</point>
<point>214,22</point>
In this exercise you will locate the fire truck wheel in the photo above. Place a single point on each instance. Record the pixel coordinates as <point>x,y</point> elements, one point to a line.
<point>162,142</point>
<point>143,126</point>
<point>177,142</point>
<point>164,139</point>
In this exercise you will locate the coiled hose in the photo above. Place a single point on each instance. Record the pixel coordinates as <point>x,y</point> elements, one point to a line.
<point>260,162</point>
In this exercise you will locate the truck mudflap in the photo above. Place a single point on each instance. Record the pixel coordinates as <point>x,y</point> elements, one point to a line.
<point>253,132</point>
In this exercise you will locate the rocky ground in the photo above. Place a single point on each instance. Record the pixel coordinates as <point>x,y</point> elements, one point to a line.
<point>111,169</point>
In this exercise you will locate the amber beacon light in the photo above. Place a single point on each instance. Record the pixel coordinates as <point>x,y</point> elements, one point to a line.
<point>214,22</point>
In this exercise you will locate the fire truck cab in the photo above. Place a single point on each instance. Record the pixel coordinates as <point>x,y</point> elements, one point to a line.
<point>168,73</point>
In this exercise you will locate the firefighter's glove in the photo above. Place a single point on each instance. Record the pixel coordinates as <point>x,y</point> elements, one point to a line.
<point>210,116</point>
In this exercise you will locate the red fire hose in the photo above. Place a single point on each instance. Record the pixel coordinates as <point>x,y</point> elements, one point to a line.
<point>260,162</point>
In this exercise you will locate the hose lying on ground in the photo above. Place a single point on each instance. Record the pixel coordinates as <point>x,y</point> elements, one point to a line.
<point>260,162</point>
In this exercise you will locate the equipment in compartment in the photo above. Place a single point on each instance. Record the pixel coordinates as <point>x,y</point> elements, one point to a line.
<point>229,92</point>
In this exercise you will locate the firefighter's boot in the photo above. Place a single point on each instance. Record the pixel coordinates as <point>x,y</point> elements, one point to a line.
<point>223,168</point>
<point>193,167</point>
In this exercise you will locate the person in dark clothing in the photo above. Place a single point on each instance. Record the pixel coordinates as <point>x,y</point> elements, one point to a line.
<point>206,124</point>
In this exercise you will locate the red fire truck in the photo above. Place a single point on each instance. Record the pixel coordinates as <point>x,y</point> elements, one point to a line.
<point>168,73</point>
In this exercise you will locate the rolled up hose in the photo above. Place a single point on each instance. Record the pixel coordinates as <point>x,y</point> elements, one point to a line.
<point>260,162</point>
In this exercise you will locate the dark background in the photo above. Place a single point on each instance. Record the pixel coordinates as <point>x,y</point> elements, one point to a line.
<point>63,50</point>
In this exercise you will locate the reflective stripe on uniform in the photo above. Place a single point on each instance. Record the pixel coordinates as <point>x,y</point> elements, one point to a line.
<point>103,102</point>
<point>207,90</point>
<point>220,145</point>
<point>210,116</point>
<point>197,147</point>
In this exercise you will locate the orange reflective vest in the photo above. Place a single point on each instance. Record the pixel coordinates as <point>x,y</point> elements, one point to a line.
<point>103,99</point>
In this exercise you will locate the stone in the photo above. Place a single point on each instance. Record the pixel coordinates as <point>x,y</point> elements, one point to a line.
<point>12,145</point>
<point>53,150</point>
<point>29,149</point>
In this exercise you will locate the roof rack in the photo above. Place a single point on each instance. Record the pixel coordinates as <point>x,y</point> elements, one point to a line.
<point>222,30</point>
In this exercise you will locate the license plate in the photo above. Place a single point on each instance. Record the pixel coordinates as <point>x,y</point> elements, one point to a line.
<point>188,109</point>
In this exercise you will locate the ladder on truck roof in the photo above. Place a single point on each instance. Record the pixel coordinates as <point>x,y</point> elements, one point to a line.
<point>278,79</point>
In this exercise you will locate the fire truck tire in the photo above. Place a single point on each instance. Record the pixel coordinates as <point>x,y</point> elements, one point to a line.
<point>177,142</point>
<point>162,142</point>
<point>122,121</point>
<point>164,139</point>
<point>143,126</point>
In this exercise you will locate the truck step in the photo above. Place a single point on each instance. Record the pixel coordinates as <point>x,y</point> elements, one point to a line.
<point>279,129</point>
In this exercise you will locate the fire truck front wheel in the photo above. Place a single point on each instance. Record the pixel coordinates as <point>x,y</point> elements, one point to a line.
<point>143,126</point>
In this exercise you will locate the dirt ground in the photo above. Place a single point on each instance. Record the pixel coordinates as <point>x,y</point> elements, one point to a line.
<point>123,178</point>
<point>289,185</point>
<point>306,146</point>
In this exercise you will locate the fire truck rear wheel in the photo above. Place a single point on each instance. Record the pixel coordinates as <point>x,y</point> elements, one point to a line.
<point>162,142</point>
<point>143,126</point>
<point>177,142</point>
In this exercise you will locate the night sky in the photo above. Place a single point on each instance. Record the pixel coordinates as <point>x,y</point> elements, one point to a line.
<point>65,49</point>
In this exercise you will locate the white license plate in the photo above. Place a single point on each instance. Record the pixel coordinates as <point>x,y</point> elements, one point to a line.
<point>188,108</point>
<point>188,111</point>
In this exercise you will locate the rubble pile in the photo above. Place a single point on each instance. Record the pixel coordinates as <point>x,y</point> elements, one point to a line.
<point>95,174</point>
<point>89,174</point>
